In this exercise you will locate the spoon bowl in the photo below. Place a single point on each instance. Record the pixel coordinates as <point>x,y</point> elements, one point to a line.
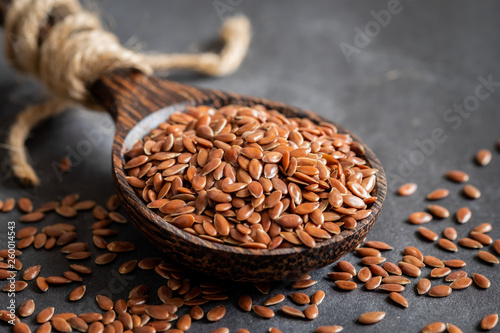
<point>138,104</point>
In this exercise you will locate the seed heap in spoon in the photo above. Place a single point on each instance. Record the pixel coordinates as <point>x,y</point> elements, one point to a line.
<point>251,177</point>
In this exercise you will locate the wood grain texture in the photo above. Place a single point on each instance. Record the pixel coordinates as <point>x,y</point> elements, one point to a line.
<point>138,104</point>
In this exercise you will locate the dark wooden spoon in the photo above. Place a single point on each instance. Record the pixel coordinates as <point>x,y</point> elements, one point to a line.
<point>138,104</point>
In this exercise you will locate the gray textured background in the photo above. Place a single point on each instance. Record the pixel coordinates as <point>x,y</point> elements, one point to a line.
<point>394,93</point>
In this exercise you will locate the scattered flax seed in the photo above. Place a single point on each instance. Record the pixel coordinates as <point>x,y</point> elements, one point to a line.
<point>378,245</point>
<point>463,215</point>
<point>303,284</point>
<point>489,322</point>
<point>318,297</point>
<point>450,233</point>
<point>428,234</point>
<point>471,192</point>
<point>455,263</point>
<point>487,257</point>
<point>481,238</point>
<point>346,285</point>
<point>399,299</point>
<point>329,329</point>
<point>274,300</point>
<point>433,262</point>
<point>436,327</point>
<point>407,189</point>
<point>440,291</point>
<point>346,266</point>
<point>453,328</point>
<point>27,308</point>
<point>461,283</point>
<point>373,283</point>
<point>369,318</point>
<point>455,275</point>
<point>481,281</point>
<point>439,211</point>
<point>438,194</point>
<point>291,311</point>
<point>263,311</point>
<point>470,243</point>
<point>447,245</point>
<point>423,286</point>
<point>419,218</point>
<point>483,228</point>
<point>483,157</point>
<point>457,176</point>
<point>311,312</point>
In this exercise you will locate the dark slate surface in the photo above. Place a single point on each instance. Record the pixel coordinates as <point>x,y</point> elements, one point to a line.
<point>400,86</point>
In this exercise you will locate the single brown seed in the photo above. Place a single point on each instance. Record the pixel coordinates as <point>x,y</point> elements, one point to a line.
<point>391,287</point>
<point>489,322</point>
<point>483,228</point>
<point>31,273</point>
<point>78,255</point>
<point>455,275</point>
<point>81,269</point>
<point>447,245</point>
<point>57,280</point>
<point>318,297</point>
<point>78,324</point>
<point>105,258</point>
<point>42,284</point>
<point>457,176</point>
<point>104,302</point>
<point>440,291</point>
<point>436,327</point>
<point>369,318</point>
<point>455,263</point>
<point>419,218</point>
<point>120,246</point>
<point>413,251</point>
<point>470,243</point>
<point>407,189</point>
<point>367,251</point>
<point>98,327</point>
<point>8,205</point>
<point>274,300</point>
<point>15,286</point>
<point>423,286</point>
<point>433,261</point>
<point>409,269</point>
<point>438,194</point>
<point>346,266</point>
<point>450,233</point>
<point>45,315</point>
<point>373,283</point>
<point>21,328</point>
<point>339,276</point>
<point>75,247</point>
<point>395,279</point>
<point>399,299</point>
<point>439,211</point>
<point>483,157</point>
<point>481,281</point>
<point>346,285</point>
<point>329,329</point>
<point>291,311</point>
<point>216,313</point>
<point>90,317</point>
<point>263,287</point>
<point>378,245</point>
<point>32,217</point>
<point>496,246</point>
<point>372,260</point>
<point>263,311</point>
<point>471,192</point>
<point>40,240</point>
<point>224,330</point>
<point>184,322</point>
<point>463,215</point>
<point>440,272</point>
<point>392,268</point>
<point>377,270</point>
<point>27,308</point>
<point>481,238</point>
<point>25,205</point>
<point>61,325</point>
<point>302,284</point>
<point>487,257</point>
<point>245,303</point>
<point>84,205</point>
<point>428,234</point>
<point>461,283</point>
<point>197,313</point>
<point>311,312</point>
<point>453,328</point>
<point>25,232</point>
<point>127,267</point>
<point>364,274</point>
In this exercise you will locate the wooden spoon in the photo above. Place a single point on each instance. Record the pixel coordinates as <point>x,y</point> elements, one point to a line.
<point>138,104</point>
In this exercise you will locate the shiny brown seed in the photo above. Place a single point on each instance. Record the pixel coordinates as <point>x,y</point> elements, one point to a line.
<point>461,283</point>
<point>409,269</point>
<point>81,269</point>
<point>372,260</point>
<point>481,238</point>
<point>413,260</point>
<point>439,211</point>
<point>378,245</point>
<point>78,324</point>
<point>318,297</point>
<point>216,313</point>
<point>291,311</point>
<point>27,308</point>
<point>463,215</point>
<point>481,281</point>
<point>302,284</point>
<point>61,325</point>
<point>428,234</point>
<point>487,257</point>
<point>423,286</point>
<point>407,189</point>
<point>455,263</point>
<point>366,251</point>
<point>364,274</point>
<point>105,258</point>
<point>455,275</point>
<point>391,287</point>
<point>263,311</point>
<point>471,192</point>
<point>392,268</point>
<point>127,267</point>
<point>440,291</point>
<point>184,322</point>
<point>450,233</point>
<point>274,300</point>
<point>447,245</point>
<point>245,303</point>
<point>339,276</point>
<point>369,318</point>
<point>21,328</point>
<point>436,327</point>
<point>45,315</point>
<point>78,255</point>
<point>470,243</point>
<point>300,298</point>
<point>483,157</point>
<point>120,246</point>
<point>346,266</point>
<point>433,261</point>
<point>311,312</point>
<point>395,279</point>
<point>42,284</point>
<point>453,328</point>
<point>440,272</point>
<point>399,299</point>
<point>16,286</point>
<point>483,228</point>
<point>346,285</point>
<point>379,271</point>
<point>104,302</point>
<point>419,218</point>
<point>197,313</point>
<point>329,329</point>
<point>31,273</point>
<point>438,194</point>
<point>457,176</point>
<point>32,217</point>
<point>489,322</point>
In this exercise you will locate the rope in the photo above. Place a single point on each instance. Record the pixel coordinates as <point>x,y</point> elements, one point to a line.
<point>77,51</point>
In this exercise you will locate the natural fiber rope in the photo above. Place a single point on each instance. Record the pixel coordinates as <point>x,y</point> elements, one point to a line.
<point>77,51</point>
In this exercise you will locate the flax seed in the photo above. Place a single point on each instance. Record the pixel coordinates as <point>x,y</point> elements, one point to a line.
<point>440,291</point>
<point>428,234</point>
<point>489,322</point>
<point>487,257</point>
<point>399,299</point>
<point>438,194</point>
<point>447,245</point>
<point>26,308</point>
<point>435,327</point>
<point>463,215</point>
<point>457,176</point>
<point>461,283</point>
<point>439,211</point>
<point>291,311</point>
<point>419,218</point>
<point>450,233</point>
<point>369,318</point>
<point>407,189</point>
<point>263,311</point>
<point>433,262</point>
<point>329,329</point>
